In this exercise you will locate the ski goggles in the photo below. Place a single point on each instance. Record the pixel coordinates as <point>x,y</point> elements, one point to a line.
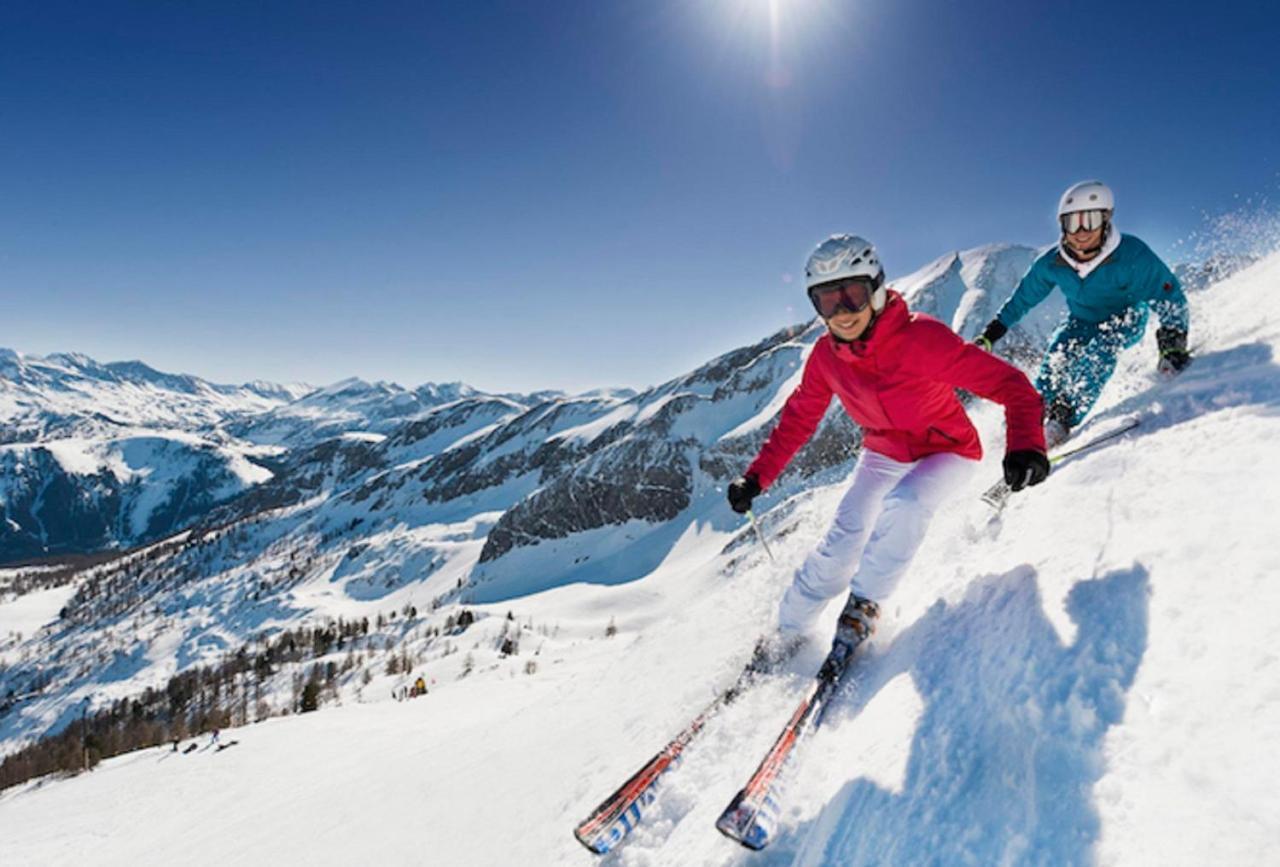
<point>852,293</point>
<point>1087,221</point>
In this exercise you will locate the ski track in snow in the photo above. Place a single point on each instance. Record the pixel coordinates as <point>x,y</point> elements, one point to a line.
<point>1089,678</point>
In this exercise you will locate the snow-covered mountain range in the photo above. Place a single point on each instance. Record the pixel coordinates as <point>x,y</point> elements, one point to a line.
<point>72,395</point>
<point>607,590</point>
<point>102,456</point>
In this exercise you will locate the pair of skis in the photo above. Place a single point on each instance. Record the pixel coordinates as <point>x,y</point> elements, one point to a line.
<point>752,815</point>
<point>620,813</point>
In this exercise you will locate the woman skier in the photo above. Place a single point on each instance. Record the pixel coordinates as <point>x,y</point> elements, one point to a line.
<point>1110,282</point>
<point>895,372</point>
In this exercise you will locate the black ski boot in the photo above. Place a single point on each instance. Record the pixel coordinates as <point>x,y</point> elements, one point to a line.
<point>857,623</point>
<point>1057,424</point>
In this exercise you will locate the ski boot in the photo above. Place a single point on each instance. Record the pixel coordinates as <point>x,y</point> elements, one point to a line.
<point>1057,425</point>
<point>856,624</point>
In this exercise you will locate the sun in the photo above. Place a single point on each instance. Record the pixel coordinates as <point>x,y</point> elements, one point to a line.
<point>776,29</point>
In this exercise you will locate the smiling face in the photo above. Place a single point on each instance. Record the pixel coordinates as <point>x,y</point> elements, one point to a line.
<point>849,326</point>
<point>1083,239</point>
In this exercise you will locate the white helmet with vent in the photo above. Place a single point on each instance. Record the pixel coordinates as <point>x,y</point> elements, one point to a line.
<point>1087,196</point>
<point>844,256</point>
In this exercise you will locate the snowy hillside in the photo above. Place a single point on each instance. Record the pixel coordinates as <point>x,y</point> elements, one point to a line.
<point>965,289</point>
<point>1086,679</point>
<point>72,495</point>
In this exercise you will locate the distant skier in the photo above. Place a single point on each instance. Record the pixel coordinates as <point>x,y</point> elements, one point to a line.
<point>1110,282</point>
<point>895,373</point>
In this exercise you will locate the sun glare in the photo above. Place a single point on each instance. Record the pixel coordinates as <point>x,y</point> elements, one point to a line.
<point>778,29</point>
<point>769,47</point>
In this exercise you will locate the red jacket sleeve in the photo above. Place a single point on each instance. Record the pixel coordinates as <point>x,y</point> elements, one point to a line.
<point>944,356</point>
<point>800,417</point>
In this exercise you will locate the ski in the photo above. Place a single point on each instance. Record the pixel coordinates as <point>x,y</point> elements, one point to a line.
<point>998,494</point>
<point>752,815</point>
<point>620,813</point>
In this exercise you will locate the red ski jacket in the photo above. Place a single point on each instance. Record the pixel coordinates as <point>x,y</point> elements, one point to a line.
<point>899,386</point>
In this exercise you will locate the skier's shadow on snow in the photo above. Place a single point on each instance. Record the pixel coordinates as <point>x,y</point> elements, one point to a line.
<point>1010,742</point>
<point>1240,376</point>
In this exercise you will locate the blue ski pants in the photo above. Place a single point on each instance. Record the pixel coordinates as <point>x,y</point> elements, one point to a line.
<point>1082,356</point>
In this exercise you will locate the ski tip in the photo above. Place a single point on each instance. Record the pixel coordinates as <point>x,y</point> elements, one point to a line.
<point>742,824</point>
<point>595,845</point>
<point>753,836</point>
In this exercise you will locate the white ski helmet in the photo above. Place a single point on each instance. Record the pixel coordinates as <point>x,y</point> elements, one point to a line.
<point>1086,196</point>
<point>842,256</point>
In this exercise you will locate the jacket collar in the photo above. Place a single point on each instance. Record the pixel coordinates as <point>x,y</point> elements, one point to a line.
<point>891,319</point>
<point>1084,269</point>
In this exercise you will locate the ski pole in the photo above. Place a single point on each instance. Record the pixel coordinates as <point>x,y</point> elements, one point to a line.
<point>1128,426</point>
<point>996,495</point>
<point>760,534</point>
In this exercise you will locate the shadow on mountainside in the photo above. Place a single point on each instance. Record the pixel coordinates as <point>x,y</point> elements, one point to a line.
<point>1010,742</point>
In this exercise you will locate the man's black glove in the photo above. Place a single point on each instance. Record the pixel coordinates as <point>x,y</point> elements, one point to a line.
<point>994,331</point>
<point>1025,468</point>
<point>742,491</point>
<point>1173,351</point>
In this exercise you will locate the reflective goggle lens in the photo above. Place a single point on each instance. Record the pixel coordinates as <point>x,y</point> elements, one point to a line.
<point>853,294</point>
<point>1086,220</point>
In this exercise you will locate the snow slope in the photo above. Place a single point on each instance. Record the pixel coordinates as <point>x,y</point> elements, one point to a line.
<point>25,614</point>
<point>1089,678</point>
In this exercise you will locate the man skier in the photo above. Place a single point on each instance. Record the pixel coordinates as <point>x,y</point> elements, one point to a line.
<point>1110,281</point>
<point>895,373</point>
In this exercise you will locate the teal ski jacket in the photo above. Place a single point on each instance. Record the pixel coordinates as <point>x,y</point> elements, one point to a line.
<point>1132,276</point>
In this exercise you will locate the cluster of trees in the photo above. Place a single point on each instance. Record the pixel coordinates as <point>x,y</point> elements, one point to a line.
<point>119,587</point>
<point>47,574</point>
<point>233,692</point>
<point>192,703</point>
<point>199,700</point>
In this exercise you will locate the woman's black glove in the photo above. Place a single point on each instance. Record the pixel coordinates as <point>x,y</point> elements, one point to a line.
<point>1025,468</point>
<point>742,491</point>
<point>1173,350</point>
<point>994,331</point>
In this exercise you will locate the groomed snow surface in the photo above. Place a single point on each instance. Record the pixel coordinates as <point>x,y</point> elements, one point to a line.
<point>1092,677</point>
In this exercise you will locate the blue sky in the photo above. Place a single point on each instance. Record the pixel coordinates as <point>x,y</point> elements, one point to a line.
<point>527,195</point>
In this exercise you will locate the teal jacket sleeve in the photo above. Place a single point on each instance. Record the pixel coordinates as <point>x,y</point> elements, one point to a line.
<point>1033,288</point>
<point>1163,292</point>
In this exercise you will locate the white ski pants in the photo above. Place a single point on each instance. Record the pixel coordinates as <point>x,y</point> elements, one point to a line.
<point>878,526</point>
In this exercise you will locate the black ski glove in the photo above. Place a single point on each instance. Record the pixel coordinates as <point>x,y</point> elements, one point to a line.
<point>742,491</point>
<point>994,331</point>
<point>1025,468</point>
<point>1173,351</point>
